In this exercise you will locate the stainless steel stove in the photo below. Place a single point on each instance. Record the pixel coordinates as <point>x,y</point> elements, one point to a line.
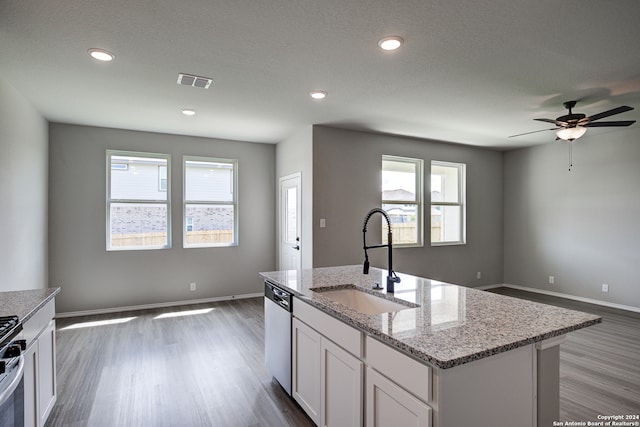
<point>12,345</point>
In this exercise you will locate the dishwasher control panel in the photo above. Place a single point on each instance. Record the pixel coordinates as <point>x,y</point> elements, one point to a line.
<point>279,296</point>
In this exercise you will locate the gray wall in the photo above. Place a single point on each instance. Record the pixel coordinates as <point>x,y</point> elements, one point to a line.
<point>346,185</point>
<point>23,193</point>
<point>295,154</point>
<point>581,226</point>
<point>92,278</point>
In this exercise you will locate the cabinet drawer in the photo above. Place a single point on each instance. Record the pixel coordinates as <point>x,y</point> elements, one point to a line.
<point>405,371</point>
<point>337,331</point>
<point>36,324</point>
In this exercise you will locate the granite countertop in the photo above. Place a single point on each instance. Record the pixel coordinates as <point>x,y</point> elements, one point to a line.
<point>25,304</point>
<point>453,325</point>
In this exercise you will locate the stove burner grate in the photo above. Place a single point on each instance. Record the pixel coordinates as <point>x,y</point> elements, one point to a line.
<point>7,324</point>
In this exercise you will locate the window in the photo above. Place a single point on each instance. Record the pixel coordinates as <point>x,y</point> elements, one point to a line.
<point>210,202</point>
<point>447,203</point>
<point>138,212</point>
<point>402,199</point>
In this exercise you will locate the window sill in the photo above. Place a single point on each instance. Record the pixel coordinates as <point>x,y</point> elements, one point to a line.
<point>407,245</point>
<point>433,244</point>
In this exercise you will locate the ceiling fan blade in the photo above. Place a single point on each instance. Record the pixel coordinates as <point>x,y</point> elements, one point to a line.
<point>607,124</point>
<point>535,131</point>
<point>555,122</point>
<point>608,113</point>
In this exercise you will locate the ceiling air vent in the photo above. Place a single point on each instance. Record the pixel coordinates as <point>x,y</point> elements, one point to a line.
<point>195,81</point>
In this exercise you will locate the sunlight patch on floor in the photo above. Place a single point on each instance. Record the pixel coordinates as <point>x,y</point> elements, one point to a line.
<point>98,323</point>
<point>183,313</point>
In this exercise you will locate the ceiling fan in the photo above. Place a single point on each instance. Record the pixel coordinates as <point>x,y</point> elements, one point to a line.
<point>573,125</point>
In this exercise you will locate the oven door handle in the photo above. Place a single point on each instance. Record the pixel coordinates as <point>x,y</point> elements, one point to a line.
<point>6,394</point>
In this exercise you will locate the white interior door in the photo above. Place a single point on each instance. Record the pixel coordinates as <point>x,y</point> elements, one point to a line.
<point>290,222</point>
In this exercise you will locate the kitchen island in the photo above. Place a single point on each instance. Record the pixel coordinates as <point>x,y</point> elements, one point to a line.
<point>466,356</point>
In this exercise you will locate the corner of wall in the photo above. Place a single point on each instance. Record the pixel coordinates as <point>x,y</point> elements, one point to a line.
<point>24,160</point>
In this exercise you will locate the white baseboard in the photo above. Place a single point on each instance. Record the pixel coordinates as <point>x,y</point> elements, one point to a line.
<point>155,305</point>
<point>561,295</point>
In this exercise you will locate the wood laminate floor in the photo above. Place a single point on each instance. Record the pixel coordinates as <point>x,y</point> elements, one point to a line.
<point>199,370</point>
<point>208,369</point>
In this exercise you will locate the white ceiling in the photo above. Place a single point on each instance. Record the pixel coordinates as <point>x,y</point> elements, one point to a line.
<point>470,71</point>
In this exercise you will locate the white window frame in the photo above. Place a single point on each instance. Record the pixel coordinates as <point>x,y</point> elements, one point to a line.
<point>419,168</point>
<point>109,200</point>
<point>186,202</point>
<point>462,200</point>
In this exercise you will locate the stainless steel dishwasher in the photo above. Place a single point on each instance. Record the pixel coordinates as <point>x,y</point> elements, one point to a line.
<point>277,333</point>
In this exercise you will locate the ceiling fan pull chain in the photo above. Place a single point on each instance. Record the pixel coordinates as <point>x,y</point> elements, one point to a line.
<point>570,155</point>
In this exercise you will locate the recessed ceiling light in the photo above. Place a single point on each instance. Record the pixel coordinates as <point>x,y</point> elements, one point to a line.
<point>390,43</point>
<point>318,94</point>
<point>188,112</point>
<point>101,55</point>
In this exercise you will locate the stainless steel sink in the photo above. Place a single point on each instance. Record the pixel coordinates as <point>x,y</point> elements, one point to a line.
<point>362,301</point>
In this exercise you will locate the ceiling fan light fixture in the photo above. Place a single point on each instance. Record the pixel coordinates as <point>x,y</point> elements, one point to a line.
<point>101,55</point>
<point>390,43</point>
<point>571,134</point>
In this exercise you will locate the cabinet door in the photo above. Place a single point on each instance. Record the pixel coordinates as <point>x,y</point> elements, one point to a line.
<point>46,371</point>
<point>341,387</point>
<point>306,369</point>
<point>389,405</point>
<point>31,385</point>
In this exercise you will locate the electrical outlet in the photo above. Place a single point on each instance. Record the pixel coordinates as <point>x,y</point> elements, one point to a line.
<point>552,280</point>
<point>323,222</point>
<point>193,286</point>
<point>479,275</point>
<point>605,287</point>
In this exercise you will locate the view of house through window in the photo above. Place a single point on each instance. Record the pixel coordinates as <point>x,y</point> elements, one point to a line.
<point>447,203</point>
<point>210,202</point>
<point>137,206</point>
<point>402,199</point>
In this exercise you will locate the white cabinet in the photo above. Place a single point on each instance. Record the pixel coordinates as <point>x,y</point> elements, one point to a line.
<point>31,416</point>
<point>306,369</point>
<point>403,400</point>
<point>40,366</point>
<point>327,379</point>
<point>341,387</point>
<point>47,371</point>
<point>390,405</point>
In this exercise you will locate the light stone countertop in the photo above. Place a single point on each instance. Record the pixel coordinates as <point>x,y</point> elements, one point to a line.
<point>25,304</point>
<point>453,325</point>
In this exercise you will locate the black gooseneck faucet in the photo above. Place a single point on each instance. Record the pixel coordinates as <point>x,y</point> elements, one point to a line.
<point>392,278</point>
